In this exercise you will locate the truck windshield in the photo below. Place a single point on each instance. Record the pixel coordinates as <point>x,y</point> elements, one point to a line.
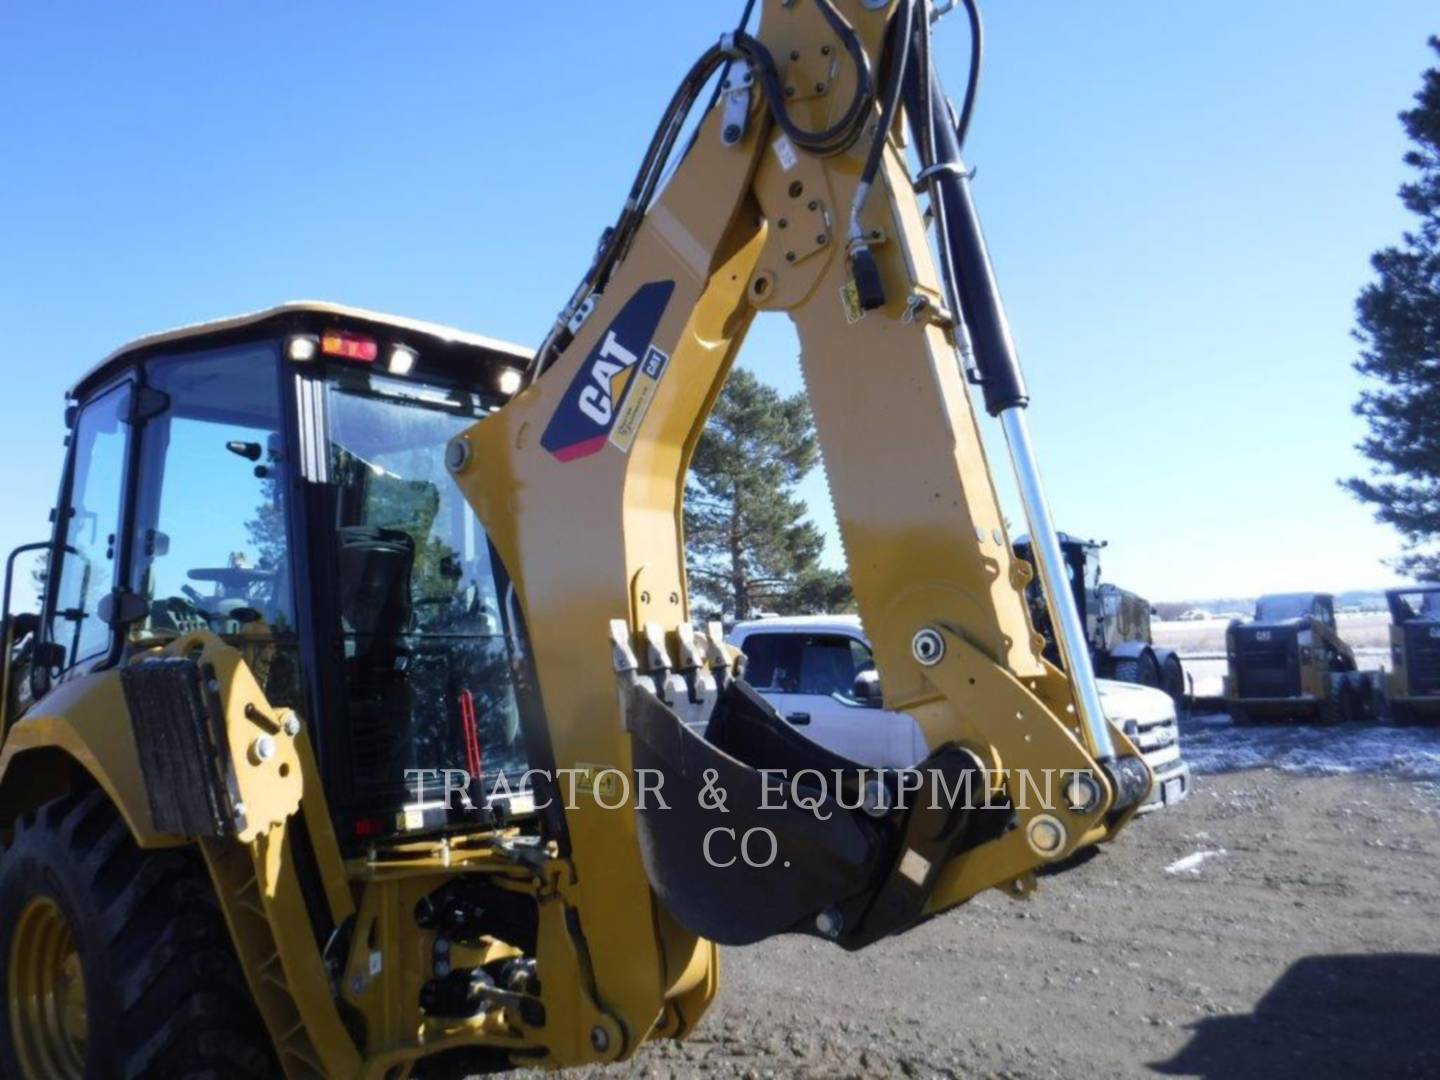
<point>428,663</point>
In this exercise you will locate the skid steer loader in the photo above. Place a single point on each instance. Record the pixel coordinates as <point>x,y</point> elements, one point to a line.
<point>1290,662</point>
<point>1412,687</point>
<point>364,729</point>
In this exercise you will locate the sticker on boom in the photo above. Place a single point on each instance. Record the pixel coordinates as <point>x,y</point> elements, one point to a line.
<point>613,389</point>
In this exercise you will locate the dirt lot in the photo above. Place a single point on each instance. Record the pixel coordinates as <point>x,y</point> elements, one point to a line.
<point>1308,944</point>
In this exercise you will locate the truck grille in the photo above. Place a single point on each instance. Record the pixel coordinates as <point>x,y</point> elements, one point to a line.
<point>1267,668</point>
<point>1422,653</point>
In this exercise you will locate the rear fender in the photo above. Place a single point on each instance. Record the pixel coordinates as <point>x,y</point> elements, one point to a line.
<point>77,735</point>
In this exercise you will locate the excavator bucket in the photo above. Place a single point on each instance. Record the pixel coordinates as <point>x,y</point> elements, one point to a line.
<point>791,838</point>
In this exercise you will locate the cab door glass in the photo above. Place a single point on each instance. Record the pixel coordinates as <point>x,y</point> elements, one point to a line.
<point>211,547</point>
<point>89,529</point>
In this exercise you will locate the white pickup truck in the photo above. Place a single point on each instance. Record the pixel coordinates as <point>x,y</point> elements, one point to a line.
<point>806,666</point>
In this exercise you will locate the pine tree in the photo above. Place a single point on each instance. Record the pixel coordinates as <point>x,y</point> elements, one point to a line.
<point>1398,320</point>
<point>750,547</point>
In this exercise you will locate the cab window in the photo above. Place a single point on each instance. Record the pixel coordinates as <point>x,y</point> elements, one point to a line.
<point>823,664</point>
<point>84,562</point>
<point>211,550</point>
<point>210,545</point>
<point>773,662</point>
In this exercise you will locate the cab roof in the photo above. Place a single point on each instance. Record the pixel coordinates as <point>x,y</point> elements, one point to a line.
<point>300,316</point>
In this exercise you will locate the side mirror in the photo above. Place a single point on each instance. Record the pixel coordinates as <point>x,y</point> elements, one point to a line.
<point>866,688</point>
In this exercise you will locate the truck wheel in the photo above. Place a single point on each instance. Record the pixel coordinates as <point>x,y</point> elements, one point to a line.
<point>1172,679</point>
<point>1141,669</point>
<point>116,961</point>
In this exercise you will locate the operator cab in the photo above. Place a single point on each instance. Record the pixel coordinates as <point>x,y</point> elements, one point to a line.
<point>280,480</point>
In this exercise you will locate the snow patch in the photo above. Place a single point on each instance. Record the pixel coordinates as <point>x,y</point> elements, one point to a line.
<point>1191,863</point>
<point>1212,744</point>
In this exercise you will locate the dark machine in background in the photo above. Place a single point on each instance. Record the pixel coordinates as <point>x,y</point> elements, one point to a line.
<point>1117,621</point>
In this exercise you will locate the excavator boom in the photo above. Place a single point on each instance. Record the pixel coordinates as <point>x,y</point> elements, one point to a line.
<point>794,196</point>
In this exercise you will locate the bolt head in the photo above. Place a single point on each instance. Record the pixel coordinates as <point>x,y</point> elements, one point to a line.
<point>829,922</point>
<point>292,725</point>
<point>1046,835</point>
<point>1081,793</point>
<point>928,647</point>
<point>457,454</point>
<point>264,748</point>
<point>599,1039</point>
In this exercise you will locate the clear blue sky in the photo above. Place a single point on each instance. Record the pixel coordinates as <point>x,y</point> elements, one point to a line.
<point>1181,200</point>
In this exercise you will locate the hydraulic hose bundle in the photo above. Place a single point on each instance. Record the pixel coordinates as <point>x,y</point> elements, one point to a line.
<point>740,44</point>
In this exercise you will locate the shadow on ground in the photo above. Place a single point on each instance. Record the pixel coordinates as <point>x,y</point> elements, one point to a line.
<point>1328,1016</point>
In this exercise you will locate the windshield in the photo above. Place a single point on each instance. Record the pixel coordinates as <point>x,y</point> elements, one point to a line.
<point>1281,608</point>
<point>428,662</point>
<point>1417,604</point>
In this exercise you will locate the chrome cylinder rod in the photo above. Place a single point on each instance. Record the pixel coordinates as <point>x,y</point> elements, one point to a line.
<point>1050,560</point>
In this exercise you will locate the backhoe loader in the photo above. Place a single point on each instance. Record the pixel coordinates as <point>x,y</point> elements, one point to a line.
<point>364,728</point>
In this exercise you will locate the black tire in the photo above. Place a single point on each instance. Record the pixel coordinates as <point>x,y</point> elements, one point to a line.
<point>1172,679</point>
<point>1142,670</point>
<point>1334,708</point>
<point>164,993</point>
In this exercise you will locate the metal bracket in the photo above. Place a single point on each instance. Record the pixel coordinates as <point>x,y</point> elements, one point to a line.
<point>922,307</point>
<point>146,403</point>
<point>739,81</point>
<point>921,183</point>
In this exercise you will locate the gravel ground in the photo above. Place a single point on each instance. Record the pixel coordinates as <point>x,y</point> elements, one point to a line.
<point>1307,944</point>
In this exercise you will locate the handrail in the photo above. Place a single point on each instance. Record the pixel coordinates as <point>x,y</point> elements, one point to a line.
<point>9,628</point>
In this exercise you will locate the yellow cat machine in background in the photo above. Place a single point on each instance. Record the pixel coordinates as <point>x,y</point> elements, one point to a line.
<point>364,726</point>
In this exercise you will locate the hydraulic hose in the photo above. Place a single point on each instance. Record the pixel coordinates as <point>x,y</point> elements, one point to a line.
<point>869,288</point>
<point>835,139</point>
<point>841,135</point>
